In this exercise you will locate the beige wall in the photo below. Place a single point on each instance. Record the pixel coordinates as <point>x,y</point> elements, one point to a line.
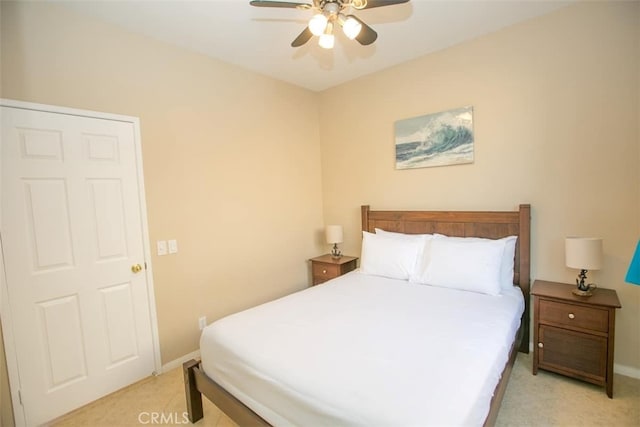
<point>231,158</point>
<point>556,125</point>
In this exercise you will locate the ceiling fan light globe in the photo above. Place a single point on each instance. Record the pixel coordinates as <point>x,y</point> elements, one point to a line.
<point>317,24</point>
<point>351,27</point>
<point>326,41</point>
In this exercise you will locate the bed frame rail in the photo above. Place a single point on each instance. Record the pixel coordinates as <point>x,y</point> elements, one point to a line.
<point>196,383</point>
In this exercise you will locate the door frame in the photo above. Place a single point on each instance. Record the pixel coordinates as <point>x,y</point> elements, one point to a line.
<point>5,313</point>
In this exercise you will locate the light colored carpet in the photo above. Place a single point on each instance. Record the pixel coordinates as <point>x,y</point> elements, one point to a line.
<point>154,401</point>
<point>542,400</point>
<point>548,399</point>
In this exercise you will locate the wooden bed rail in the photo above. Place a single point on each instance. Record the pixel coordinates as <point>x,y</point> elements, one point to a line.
<point>196,383</point>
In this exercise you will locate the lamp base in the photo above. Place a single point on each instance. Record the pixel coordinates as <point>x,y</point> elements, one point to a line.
<point>580,293</point>
<point>582,289</point>
<point>335,253</point>
<point>585,292</point>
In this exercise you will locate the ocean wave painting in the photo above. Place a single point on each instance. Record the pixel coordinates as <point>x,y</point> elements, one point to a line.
<point>438,139</point>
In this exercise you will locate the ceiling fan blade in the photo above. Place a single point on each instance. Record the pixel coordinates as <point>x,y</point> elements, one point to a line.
<point>287,4</point>
<point>302,38</point>
<point>379,3</point>
<point>367,34</point>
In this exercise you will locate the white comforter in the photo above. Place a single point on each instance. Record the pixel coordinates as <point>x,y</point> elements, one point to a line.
<point>366,351</point>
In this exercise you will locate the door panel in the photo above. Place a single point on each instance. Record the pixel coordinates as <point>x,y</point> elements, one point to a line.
<point>575,352</point>
<point>40,144</point>
<point>71,230</point>
<point>119,323</point>
<point>48,223</point>
<point>64,345</point>
<point>108,218</point>
<point>101,148</point>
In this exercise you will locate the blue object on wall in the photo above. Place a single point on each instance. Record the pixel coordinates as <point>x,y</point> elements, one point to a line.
<point>633,275</point>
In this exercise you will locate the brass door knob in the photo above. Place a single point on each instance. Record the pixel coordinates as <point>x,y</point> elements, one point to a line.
<point>136,268</point>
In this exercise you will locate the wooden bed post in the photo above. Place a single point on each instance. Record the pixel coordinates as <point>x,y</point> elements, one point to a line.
<point>364,209</point>
<point>525,270</point>
<point>194,397</point>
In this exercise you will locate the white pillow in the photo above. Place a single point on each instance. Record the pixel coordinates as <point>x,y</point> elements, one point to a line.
<point>508,261</point>
<point>401,235</point>
<point>423,257</point>
<point>389,256</point>
<point>508,257</point>
<point>470,265</point>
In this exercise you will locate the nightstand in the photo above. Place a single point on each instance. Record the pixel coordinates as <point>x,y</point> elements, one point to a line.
<point>573,335</point>
<point>324,267</point>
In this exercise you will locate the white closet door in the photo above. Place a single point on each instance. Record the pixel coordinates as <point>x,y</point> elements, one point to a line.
<point>71,232</point>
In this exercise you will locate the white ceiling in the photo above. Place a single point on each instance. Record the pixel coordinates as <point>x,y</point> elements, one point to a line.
<point>259,38</point>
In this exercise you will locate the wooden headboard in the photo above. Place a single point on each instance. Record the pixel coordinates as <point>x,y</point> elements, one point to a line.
<point>491,225</point>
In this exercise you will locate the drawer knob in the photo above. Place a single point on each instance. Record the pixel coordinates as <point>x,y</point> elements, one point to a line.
<point>540,345</point>
<point>572,316</point>
<point>325,272</point>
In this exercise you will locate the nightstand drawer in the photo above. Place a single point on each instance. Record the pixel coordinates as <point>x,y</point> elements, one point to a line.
<point>326,267</point>
<point>574,316</point>
<point>325,271</point>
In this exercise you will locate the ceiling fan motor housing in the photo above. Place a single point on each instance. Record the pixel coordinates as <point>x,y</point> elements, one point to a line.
<point>358,4</point>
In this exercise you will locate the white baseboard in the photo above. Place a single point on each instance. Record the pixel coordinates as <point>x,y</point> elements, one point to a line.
<point>627,371</point>
<point>180,360</point>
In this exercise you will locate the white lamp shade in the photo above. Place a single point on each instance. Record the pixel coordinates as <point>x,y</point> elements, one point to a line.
<point>333,234</point>
<point>584,253</point>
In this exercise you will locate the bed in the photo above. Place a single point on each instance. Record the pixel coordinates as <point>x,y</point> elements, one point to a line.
<point>376,357</point>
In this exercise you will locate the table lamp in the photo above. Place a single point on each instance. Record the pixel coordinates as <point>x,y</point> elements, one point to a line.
<point>583,253</point>
<point>333,234</point>
<point>633,275</point>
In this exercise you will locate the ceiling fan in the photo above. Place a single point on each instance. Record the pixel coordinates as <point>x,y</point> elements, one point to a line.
<point>328,14</point>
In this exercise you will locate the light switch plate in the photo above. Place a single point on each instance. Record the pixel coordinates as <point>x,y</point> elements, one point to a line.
<point>162,247</point>
<point>173,246</point>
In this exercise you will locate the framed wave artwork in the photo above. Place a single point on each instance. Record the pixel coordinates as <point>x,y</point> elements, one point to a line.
<point>438,139</point>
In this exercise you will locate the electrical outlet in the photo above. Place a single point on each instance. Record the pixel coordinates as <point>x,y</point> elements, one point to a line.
<point>202,322</point>
<point>173,246</point>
